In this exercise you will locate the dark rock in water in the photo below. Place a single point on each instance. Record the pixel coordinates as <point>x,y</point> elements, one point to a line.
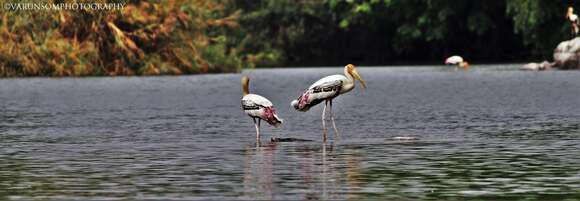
<point>567,54</point>
<point>288,140</point>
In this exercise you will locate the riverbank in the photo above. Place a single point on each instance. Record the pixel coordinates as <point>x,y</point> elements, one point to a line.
<point>204,36</point>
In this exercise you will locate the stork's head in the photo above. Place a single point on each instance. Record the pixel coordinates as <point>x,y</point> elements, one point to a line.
<point>350,69</point>
<point>245,85</point>
<point>464,65</point>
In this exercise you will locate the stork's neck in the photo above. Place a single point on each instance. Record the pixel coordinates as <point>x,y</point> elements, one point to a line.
<point>348,75</point>
<point>245,86</point>
<point>349,85</point>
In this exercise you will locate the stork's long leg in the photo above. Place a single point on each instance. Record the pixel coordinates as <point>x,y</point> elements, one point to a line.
<point>332,119</point>
<point>324,121</point>
<point>257,129</point>
<point>259,122</point>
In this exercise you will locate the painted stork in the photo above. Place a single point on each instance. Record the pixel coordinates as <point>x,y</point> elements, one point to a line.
<point>457,60</point>
<point>259,108</point>
<point>573,19</point>
<point>326,89</point>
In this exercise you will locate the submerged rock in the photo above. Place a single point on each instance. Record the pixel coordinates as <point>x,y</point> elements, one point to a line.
<point>288,140</point>
<point>567,54</point>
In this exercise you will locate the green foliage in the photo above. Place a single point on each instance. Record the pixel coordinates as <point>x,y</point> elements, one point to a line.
<point>279,32</point>
<point>387,31</point>
<point>541,23</point>
<point>408,26</point>
<point>169,37</point>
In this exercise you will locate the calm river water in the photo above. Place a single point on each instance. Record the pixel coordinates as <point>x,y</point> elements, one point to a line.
<point>488,133</point>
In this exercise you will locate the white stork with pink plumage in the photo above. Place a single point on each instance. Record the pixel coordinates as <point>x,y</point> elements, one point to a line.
<point>326,89</point>
<point>259,108</point>
<point>457,60</point>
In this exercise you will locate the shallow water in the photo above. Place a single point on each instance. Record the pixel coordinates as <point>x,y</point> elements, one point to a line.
<point>489,133</point>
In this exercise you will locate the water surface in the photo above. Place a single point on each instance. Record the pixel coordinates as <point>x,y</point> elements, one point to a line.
<point>488,133</point>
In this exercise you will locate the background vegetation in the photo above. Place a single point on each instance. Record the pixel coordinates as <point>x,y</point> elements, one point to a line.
<point>211,36</point>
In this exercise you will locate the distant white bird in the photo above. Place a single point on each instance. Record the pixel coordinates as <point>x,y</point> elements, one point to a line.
<point>326,89</point>
<point>258,108</point>
<point>531,66</point>
<point>457,60</point>
<point>573,19</point>
<point>537,66</point>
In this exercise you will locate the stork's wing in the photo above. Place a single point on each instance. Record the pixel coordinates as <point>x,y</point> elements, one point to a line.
<point>254,102</point>
<point>327,89</point>
<point>250,105</point>
<point>454,60</point>
<point>318,93</point>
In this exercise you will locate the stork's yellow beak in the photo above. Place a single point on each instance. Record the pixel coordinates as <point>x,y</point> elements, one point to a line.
<point>357,77</point>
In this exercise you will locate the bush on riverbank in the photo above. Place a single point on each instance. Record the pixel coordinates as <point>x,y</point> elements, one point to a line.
<point>178,37</point>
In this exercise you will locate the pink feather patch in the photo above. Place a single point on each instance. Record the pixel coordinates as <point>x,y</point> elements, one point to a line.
<point>303,100</point>
<point>268,115</point>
